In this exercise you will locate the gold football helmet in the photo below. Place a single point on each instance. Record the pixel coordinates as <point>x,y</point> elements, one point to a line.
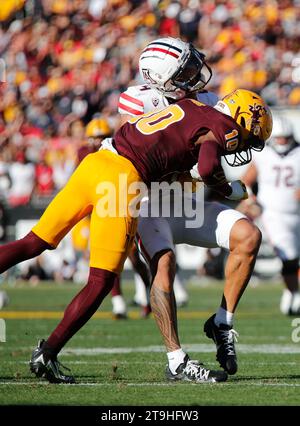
<point>98,127</point>
<point>254,117</point>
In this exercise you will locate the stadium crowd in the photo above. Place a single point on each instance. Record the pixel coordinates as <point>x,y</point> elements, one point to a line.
<point>64,61</point>
<point>67,60</point>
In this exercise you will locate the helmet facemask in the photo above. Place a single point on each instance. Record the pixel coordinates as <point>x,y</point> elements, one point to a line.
<point>243,157</point>
<point>193,74</point>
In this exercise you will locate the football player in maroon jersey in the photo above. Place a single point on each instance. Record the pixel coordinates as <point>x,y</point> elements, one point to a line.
<point>144,151</point>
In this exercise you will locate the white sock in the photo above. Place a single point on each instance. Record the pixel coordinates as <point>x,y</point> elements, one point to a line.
<point>119,305</point>
<point>175,358</point>
<point>223,317</point>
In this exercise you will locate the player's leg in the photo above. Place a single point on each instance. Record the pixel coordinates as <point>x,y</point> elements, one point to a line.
<point>244,243</point>
<point>110,241</point>
<point>290,300</point>
<point>156,243</point>
<point>117,300</point>
<point>64,211</point>
<point>231,230</point>
<point>17,251</point>
<point>286,245</point>
<point>142,281</point>
<point>181,295</point>
<point>158,247</point>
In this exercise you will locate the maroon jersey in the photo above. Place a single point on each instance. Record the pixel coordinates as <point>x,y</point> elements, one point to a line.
<point>163,142</point>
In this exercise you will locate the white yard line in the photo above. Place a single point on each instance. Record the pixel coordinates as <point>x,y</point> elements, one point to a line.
<point>148,384</point>
<point>198,348</point>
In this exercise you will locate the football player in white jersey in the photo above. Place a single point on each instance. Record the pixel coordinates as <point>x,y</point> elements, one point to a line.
<point>159,61</point>
<point>174,70</point>
<point>277,172</point>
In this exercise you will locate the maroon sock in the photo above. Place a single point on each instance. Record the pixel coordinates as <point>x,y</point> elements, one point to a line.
<point>15,252</point>
<point>116,290</point>
<point>82,307</point>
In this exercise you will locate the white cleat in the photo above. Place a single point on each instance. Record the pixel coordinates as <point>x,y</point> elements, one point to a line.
<point>290,303</point>
<point>119,307</point>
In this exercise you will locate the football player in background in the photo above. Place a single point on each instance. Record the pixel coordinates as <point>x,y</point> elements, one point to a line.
<point>144,151</point>
<point>162,61</point>
<point>277,172</point>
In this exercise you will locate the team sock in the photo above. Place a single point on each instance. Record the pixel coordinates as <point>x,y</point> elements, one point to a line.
<point>82,307</point>
<point>116,290</point>
<point>17,251</point>
<point>223,317</point>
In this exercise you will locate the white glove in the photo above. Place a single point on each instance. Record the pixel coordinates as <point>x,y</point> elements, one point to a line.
<point>194,173</point>
<point>239,191</point>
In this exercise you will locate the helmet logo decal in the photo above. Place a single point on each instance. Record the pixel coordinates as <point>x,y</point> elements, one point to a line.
<point>155,101</point>
<point>257,112</point>
<point>147,77</point>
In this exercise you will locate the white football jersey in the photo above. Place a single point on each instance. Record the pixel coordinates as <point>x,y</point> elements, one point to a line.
<point>141,99</point>
<point>278,179</point>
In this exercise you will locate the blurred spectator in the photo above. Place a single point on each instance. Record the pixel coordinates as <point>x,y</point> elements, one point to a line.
<point>35,272</point>
<point>67,60</point>
<point>44,179</point>
<point>22,175</point>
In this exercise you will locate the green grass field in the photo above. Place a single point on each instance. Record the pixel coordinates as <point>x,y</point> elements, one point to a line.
<point>122,362</point>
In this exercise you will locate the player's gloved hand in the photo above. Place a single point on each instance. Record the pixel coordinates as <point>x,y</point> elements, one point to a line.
<point>239,191</point>
<point>195,174</point>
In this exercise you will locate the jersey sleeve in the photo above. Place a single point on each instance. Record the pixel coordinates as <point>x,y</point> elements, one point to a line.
<point>227,132</point>
<point>131,103</point>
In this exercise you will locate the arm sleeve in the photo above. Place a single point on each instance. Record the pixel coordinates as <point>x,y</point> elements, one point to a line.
<point>210,168</point>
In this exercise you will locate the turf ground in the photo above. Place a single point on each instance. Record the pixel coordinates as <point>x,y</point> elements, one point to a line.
<point>122,362</point>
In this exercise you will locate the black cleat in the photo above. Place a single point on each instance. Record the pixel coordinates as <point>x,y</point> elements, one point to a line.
<point>43,365</point>
<point>224,337</point>
<point>193,371</point>
<point>120,316</point>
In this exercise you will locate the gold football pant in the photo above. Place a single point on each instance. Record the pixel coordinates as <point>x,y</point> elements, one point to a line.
<point>99,186</point>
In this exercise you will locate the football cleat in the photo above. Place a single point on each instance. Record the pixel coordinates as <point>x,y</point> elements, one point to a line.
<point>47,367</point>
<point>120,316</point>
<point>290,303</point>
<point>119,307</point>
<point>224,337</point>
<point>193,371</point>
